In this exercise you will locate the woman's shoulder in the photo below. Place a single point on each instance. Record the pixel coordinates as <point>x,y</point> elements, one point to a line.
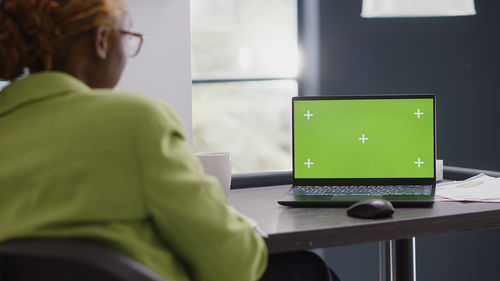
<point>130,102</point>
<point>126,110</point>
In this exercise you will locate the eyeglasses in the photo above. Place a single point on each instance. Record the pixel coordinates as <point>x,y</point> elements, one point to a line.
<point>133,42</point>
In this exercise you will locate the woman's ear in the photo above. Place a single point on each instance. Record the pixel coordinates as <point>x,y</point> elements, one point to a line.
<point>101,39</point>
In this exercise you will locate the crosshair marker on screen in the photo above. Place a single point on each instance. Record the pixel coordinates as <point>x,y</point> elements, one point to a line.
<point>308,163</point>
<point>308,114</point>
<point>363,139</point>
<point>418,162</point>
<point>418,113</point>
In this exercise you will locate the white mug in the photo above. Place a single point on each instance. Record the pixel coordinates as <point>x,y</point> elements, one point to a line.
<point>217,164</point>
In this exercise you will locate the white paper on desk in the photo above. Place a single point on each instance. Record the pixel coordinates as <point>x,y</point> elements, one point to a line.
<point>479,188</point>
<point>444,199</point>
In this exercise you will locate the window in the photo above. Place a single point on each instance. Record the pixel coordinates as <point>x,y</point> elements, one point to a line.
<point>244,66</point>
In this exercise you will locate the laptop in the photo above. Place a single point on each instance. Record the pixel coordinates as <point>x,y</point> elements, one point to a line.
<point>352,148</point>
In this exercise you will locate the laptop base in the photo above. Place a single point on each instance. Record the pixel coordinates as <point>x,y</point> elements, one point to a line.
<point>347,200</point>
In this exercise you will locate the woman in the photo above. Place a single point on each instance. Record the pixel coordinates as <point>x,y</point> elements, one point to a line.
<point>82,163</point>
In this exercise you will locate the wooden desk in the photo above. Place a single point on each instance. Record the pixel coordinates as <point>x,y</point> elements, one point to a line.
<point>292,229</point>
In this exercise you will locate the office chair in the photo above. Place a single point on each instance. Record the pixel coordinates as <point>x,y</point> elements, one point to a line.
<point>64,260</point>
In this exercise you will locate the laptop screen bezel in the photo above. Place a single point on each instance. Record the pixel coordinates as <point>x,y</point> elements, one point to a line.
<point>362,181</point>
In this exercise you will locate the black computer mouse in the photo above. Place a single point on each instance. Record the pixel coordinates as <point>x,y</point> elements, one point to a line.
<point>371,209</point>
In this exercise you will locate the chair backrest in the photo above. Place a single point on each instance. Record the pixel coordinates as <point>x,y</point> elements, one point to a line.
<point>63,260</point>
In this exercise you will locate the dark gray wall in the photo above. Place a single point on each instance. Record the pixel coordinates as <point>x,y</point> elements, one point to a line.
<point>456,58</point>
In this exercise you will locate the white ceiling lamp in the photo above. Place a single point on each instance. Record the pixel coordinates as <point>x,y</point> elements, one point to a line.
<point>417,8</point>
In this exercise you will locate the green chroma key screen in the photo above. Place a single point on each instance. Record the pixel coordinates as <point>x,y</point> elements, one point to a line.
<point>364,138</point>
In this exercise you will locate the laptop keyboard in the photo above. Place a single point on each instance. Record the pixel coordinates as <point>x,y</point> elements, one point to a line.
<point>372,190</point>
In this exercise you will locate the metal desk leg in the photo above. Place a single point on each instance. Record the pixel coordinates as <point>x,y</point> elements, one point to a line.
<point>384,248</point>
<point>397,260</point>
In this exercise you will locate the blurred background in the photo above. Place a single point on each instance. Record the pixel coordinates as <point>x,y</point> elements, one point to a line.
<point>250,57</point>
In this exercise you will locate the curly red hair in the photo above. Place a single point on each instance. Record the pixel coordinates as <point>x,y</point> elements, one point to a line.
<point>30,30</point>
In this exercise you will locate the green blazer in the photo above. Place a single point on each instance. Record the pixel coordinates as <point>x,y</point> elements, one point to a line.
<point>115,168</point>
